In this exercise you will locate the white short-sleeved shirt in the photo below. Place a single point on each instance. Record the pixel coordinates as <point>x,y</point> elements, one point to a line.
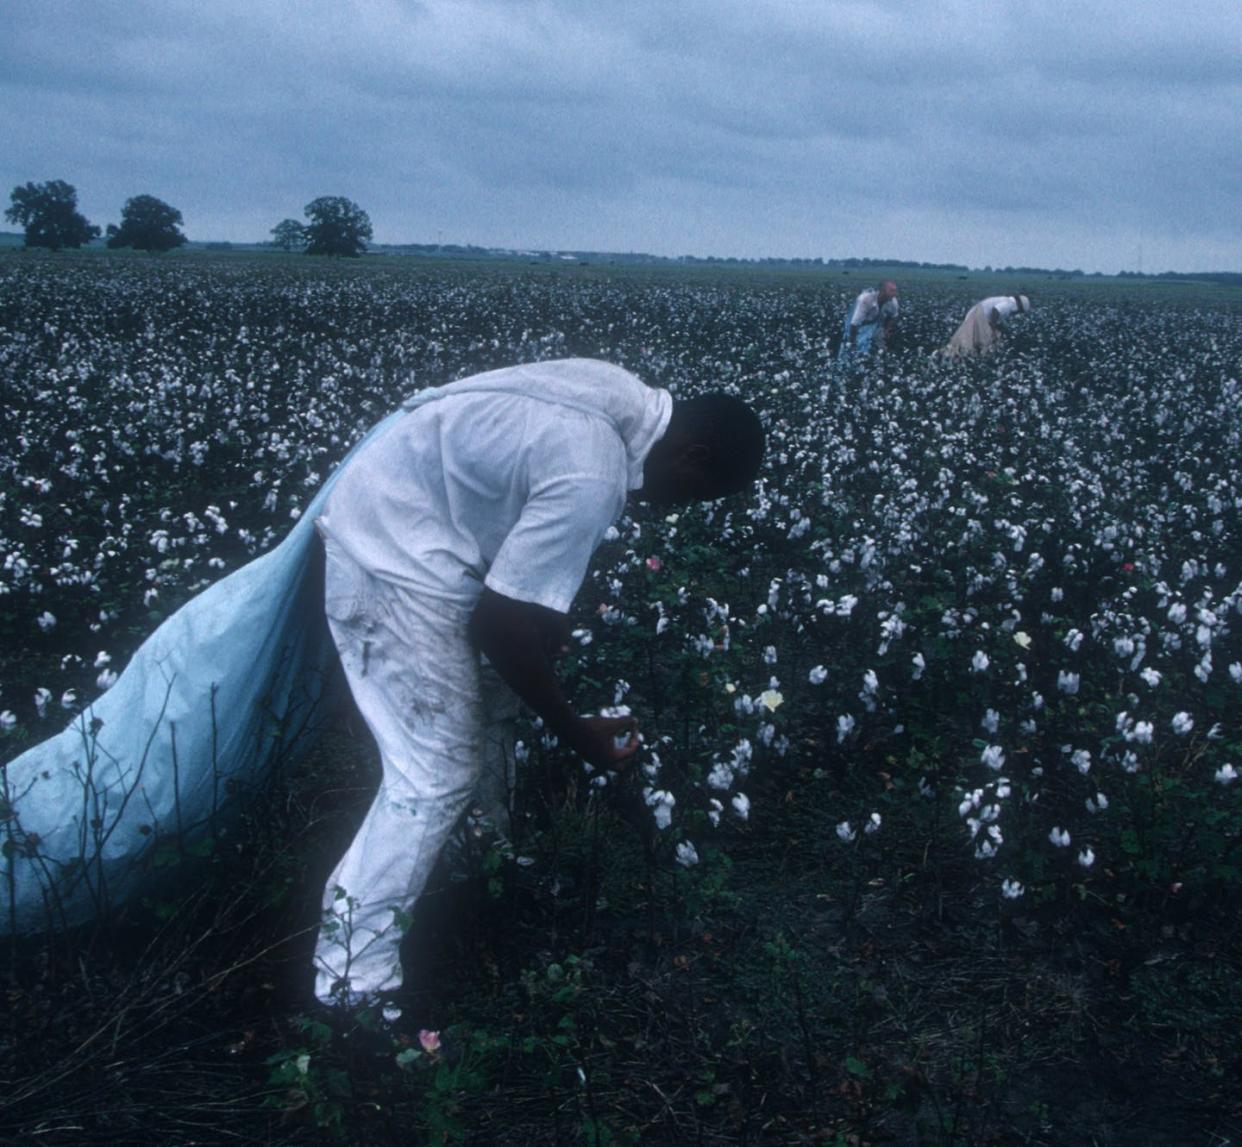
<point>508,479</point>
<point>867,308</point>
<point>1006,304</point>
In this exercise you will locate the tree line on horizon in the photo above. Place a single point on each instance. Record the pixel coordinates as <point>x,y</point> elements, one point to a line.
<point>49,216</point>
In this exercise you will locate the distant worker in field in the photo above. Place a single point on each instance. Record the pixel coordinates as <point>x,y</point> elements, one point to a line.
<point>455,542</point>
<point>984,325</point>
<point>871,321</point>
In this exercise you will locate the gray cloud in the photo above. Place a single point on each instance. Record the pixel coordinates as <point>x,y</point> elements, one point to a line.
<point>1007,133</point>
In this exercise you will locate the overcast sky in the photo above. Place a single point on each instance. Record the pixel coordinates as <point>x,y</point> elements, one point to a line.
<point>1085,134</point>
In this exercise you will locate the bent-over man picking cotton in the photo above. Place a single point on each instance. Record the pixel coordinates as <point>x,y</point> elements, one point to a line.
<point>984,325</point>
<point>466,529</point>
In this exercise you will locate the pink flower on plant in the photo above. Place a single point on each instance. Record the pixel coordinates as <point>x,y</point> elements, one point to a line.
<point>654,564</point>
<point>429,1041</point>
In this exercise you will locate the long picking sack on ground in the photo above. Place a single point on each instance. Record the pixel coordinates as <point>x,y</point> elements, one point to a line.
<point>234,680</point>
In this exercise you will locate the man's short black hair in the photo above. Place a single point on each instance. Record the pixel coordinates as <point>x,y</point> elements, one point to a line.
<point>730,429</point>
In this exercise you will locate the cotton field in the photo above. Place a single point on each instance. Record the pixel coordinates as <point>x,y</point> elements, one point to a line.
<point>1003,598</point>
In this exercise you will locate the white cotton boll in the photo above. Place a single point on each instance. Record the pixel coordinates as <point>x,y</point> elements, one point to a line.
<point>990,720</point>
<point>993,756</point>
<point>845,726</point>
<point>106,679</point>
<point>1226,774</point>
<point>721,777</point>
<point>1011,889</point>
<point>1067,682</point>
<point>769,655</point>
<point>1177,613</point>
<point>979,662</point>
<point>873,823</point>
<point>818,675</point>
<point>1235,671</point>
<point>1057,593</point>
<point>661,803</point>
<point>1151,677</point>
<point>102,659</point>
<point>919,666</point>
<point>661,625</point>
<point>870,681</point>
<point>8,721</point>
<point>845,833</point>
<point>611,534</point>
<point>68,699</point>
<point>741,805</point>
<point>1086,857</point>
<point>1073,640</point>
<point>41,699</point>
<point>46,621</point>
<point>1182,723</point>
<point>1141,732</point>
<point>687,855</point>
<point>1081,760</point>
<point>1060,837</point>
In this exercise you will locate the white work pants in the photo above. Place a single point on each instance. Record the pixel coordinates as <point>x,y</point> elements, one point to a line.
<point>444,724</point>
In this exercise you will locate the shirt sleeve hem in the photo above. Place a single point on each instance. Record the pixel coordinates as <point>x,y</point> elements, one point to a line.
<point>556,604</point>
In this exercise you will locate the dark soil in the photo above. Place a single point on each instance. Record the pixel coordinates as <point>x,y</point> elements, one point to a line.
<point>798,993</point>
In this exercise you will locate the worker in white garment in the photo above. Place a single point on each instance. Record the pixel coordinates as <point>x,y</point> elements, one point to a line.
<point>870,322</point>
<point>984,325</point>
<point>464,529</point>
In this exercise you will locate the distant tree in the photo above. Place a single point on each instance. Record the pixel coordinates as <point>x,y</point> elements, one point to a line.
<point>147,224</point>
<point>337,226</point>
<point>288,234</point>
<point>49,214</point>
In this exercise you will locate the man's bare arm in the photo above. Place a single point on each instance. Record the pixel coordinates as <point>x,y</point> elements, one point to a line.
<point>521,640</point>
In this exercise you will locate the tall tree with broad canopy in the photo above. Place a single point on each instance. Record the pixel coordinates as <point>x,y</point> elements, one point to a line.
<point>288,234</point>
<point>49,214</point>
<point>337,226</point>
<point>147,224</point>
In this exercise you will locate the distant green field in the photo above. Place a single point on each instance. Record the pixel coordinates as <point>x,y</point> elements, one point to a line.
<point>911,280</point>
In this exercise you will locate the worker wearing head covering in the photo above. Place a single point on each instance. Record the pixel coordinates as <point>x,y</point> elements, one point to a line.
<point>984,325</point>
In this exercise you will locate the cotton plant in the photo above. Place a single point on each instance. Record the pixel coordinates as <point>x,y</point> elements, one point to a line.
<point>896,549</point>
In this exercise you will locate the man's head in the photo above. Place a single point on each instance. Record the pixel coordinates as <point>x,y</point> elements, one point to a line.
<point>713,446</point>
<point>887,290</point>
